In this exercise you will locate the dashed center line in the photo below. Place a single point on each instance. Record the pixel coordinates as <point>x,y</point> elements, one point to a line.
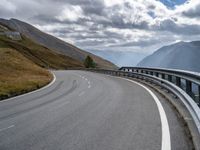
<point>82,93</point>
<point>63,104</point>
<point>6,128</point>
<point>89,85</point>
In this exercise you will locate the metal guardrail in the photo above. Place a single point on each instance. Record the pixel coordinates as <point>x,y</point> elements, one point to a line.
<point>186,80</point>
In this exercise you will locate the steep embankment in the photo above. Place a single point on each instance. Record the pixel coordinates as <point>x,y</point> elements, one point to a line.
<point>182,55</point>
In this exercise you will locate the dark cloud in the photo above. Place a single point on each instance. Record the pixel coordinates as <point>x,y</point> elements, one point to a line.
<point>193,12</point>
<point>170,25</point>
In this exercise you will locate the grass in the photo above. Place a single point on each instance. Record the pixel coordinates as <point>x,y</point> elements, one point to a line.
<point>18,74</point>
<point>39,54</point>
<point>23,63</point>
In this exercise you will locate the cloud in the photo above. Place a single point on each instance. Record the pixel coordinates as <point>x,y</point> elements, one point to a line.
<point>193,12</point>
<point>139,25</point>
<point>70,13</point>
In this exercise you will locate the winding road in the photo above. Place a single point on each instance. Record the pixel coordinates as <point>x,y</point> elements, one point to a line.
<point>89,111</point>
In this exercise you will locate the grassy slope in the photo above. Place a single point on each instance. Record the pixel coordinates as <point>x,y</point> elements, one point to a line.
<point>18,74</point>
<point>40,55</point>
<point>53,43</point>
<point>21,62</point>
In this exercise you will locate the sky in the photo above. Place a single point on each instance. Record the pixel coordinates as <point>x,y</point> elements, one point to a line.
<point>101,26</point>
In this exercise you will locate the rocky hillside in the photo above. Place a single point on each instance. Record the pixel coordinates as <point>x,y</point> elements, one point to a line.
<point>182,55</point>
<point>52,42</point>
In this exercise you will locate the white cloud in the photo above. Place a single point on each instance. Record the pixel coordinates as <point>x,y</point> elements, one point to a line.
<point>137,25</point>
<point>71,13</point>
<point>9,6</point>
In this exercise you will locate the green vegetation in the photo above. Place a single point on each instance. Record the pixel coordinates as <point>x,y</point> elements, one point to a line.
<point>89,62</point>
<point>19,75</point>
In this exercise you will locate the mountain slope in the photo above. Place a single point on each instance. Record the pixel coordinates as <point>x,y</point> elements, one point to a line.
<point>182,55</point>
<point>53,43</point>
<point>40,55</point>
<point>18,74</point>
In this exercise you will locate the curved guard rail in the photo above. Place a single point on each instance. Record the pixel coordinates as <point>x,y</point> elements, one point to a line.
<point>186,80</point>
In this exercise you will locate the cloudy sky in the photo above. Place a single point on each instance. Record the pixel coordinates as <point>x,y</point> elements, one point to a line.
<point>137,26</point>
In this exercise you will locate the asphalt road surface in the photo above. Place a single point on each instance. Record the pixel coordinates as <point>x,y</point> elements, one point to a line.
<point>89,111</point>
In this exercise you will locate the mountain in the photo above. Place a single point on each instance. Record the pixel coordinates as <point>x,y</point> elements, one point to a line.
<point>53,43</point>
<point>120,58</point>
<point>182,55</point>
<point>37,53</point>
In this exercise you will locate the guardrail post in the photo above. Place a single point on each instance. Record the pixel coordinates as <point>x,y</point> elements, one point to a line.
<point>178,81</point>
<point>156,73</point>
<point>163,76</point>
<point>189,87</point>
<point>169,78</point>
<point>199,96</point>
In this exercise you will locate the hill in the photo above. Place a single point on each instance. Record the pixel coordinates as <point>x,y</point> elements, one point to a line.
<point>53,43</point>
<point>22,62</point>
<point>39,54</point>
<point>182,55</point>
<point>18,74</point>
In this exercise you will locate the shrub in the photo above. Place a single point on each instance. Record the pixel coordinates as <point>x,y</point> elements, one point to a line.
<point>89,62</point>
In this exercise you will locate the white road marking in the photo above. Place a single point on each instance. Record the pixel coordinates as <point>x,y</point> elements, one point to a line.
<point>82,93</point>
<point>63,104</point>
<point>52,82</point>
<point>186,118</point>
<point>3,129</point>
<point>166,141</point>
<point>89,85</point>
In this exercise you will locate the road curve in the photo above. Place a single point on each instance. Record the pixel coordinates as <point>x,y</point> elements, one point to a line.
<point>88,111</point>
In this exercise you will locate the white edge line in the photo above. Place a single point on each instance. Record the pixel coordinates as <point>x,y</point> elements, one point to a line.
<point>3,129</point>
<point>46,86</point>
<point>166,142</point>
<point>82,93</point>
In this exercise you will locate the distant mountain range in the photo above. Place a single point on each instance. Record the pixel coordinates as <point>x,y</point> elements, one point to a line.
<point>182,55</point>
<point>120,58</point>
<point>49,42</point>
